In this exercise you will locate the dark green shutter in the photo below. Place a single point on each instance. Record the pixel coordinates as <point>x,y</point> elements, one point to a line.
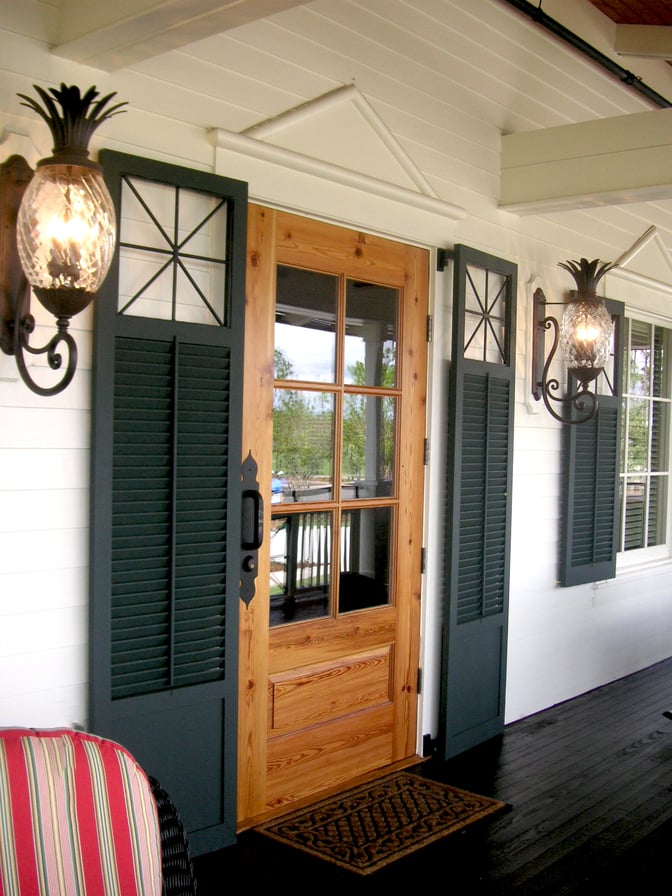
<point>166,486</point>
<point>590,492</point>
<point>478,500</point>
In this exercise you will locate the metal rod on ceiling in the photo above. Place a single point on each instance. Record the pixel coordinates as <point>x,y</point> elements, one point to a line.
<point>627,77</point>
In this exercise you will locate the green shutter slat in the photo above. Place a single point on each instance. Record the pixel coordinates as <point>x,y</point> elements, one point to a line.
<point>199,610</point>
<point>132,612</point>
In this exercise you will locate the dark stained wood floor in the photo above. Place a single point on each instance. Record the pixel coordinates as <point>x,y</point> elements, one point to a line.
<point>589,784</point>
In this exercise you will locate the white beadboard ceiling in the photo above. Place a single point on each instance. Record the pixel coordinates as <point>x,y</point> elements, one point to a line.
<point>459,83</point>
<point>114,35</point>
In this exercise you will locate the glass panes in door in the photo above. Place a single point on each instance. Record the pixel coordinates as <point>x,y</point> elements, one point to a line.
<point>305,325</point>
<point>364,577</point>
<point>370,335</point>
<point>335,412</point>
<point>303,438</point>
<point>369,429</point>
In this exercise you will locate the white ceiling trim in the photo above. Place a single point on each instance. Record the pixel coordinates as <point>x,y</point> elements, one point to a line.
<point>610,161</point>
<point>111,36</point>
<point>295,161</point>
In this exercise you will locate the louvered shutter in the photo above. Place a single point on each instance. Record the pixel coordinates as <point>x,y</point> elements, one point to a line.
<point>590,492</point>
<point>478,500</point>
<point>166,485</point>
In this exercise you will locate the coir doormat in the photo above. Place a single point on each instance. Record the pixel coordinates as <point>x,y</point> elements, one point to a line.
<point>367,827</point>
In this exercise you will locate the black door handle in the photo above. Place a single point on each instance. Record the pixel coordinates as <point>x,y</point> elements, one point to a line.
<point>251,528</point>
<point>253,520</point>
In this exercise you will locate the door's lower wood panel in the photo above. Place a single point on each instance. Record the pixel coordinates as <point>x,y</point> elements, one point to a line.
<point>324,692</point>
<point>354,745</point>
<point>297,646</point>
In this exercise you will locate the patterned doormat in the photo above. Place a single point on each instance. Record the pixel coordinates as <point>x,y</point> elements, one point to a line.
<point>367,827</point>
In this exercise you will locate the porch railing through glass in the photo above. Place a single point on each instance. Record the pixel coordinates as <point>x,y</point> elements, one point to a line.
<point>301,547</point>
<point>302,564</point>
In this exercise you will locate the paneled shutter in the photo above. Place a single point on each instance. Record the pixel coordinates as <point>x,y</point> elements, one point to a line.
<point>590,492</point>
<point>166,485</point>
<point>478,500</point>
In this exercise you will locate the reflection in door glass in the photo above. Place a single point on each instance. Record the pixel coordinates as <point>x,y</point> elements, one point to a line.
<point>371,334</point>
<point>305,325</point>
<point>369,425</point>
<point>300,566</point>
<point>364,579</point>
<point>303,436</point>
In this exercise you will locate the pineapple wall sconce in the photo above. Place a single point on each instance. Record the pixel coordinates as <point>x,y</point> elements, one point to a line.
<point>57,231</point>
<point>584,336</point>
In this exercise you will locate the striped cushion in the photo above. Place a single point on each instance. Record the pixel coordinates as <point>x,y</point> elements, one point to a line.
<point>77,816</point>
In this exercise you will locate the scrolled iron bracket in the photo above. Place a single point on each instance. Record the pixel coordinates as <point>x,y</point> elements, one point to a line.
<point>547,388</point>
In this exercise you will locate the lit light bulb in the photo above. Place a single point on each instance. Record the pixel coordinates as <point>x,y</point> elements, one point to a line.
<point>587,333</point>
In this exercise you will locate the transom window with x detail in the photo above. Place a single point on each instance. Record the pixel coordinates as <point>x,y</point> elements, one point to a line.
<point>173,253</point>
<point>485,316</point>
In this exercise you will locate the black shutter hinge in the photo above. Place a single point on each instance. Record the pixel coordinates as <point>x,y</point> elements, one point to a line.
<point>430,328</point>
<point>443,256</point>
<point>428,745</point>
<point>419,681</point>
<point>423,560</point>
<point>425,458</point>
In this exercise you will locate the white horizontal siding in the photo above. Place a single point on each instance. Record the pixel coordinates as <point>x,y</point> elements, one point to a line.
<point>45,630</point>
<point>48,426</point>
<point>43,549</point>
<point>36,469</point>
<point>48,687</point>
<point>31,509</point>
<point>35,590</point>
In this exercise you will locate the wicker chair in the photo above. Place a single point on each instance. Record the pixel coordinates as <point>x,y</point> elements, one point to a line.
<point>178,870</point>
<point>78,814</point>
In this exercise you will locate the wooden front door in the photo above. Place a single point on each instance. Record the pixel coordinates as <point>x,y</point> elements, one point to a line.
<point>334,416</point>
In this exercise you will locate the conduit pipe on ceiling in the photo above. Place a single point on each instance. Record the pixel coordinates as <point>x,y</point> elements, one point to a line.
<point>538,15</point>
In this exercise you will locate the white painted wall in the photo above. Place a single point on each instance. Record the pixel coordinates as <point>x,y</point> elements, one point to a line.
<point>447,77</point>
